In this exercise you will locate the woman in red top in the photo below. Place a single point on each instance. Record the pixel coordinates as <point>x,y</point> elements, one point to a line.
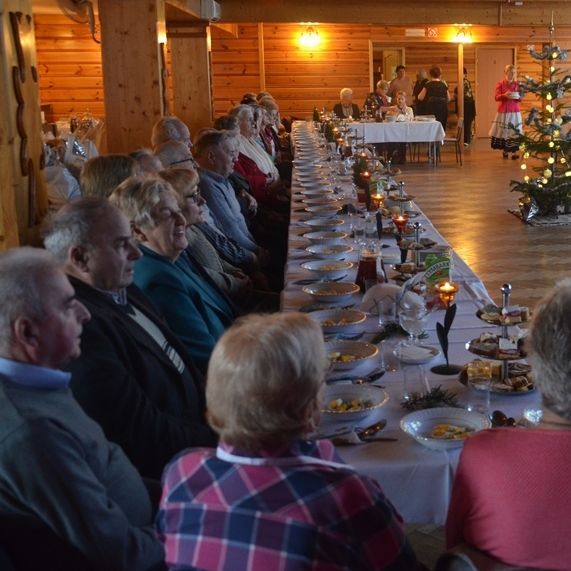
<point>511,496</point>
<point>508,96</point>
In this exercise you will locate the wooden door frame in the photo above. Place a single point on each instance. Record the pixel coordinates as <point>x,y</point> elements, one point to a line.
<point>476,66</point>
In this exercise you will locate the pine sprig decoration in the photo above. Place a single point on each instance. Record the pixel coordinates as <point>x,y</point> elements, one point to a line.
<point>437,397</point>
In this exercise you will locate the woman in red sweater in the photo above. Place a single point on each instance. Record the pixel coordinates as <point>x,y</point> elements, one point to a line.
<point>508,96</point>
<point>511,495</point>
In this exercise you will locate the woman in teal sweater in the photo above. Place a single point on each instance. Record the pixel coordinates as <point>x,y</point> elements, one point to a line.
<point>194,308</point>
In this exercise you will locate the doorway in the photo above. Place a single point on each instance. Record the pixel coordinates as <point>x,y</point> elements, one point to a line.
<point>385,61</point>
<point>490,63</point>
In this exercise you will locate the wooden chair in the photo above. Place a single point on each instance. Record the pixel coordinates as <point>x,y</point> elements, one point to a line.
<point>457,141</point>
<point>464,557</point>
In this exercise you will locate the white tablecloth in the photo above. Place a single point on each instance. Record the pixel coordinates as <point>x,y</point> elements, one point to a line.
<point>400,132</point>
<point>418,481</point>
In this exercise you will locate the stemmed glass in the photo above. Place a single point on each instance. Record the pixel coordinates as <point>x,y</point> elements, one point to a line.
<point>413,321</point>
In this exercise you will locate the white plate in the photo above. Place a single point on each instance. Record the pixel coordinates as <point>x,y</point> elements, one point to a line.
<point>345,320</point>
<point>328,269</point>
<point>325,237</point>
<point>330,251</point>
<point>415,354</point>
<point>326,200</point>
<point>326,211</point>
<point>420,423</point>
<point>317,192</point>
<point>359,350</point>
<point>331,291</point>
<point>324,223</point>
<point>376,395</point>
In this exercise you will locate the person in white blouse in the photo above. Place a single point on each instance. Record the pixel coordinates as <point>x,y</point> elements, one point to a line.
<point>401,110</point>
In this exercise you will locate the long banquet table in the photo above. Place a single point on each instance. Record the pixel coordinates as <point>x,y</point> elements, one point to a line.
<point>417,480</point>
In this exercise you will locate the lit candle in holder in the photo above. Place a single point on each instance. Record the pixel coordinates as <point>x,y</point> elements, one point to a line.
<point>366,175</point>
<point>447,291</point>
<point>377,201</point>
<point>400,222</point>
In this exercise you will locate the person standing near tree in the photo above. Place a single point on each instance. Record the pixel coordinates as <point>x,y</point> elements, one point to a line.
<point>508,97</point>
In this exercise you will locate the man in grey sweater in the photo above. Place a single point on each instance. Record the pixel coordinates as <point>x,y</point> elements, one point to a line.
<point>58,473</point>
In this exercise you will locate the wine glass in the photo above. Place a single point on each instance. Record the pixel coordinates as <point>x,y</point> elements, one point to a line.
<point>413,321</point>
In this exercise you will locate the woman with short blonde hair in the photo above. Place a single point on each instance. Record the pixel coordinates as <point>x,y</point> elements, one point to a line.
<point>193,306</point>
<point>281,500</point>
<point>264,378</point>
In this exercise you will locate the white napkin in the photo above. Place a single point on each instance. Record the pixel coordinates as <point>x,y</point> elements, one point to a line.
<point>414,352</point>
<point>377,293</point>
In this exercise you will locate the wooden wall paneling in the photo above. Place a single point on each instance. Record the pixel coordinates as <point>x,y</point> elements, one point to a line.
<point>69,61</point>
<point>131,71</point>
<point>191,74</point>
<point>235,65</point>
<point>301,79</point>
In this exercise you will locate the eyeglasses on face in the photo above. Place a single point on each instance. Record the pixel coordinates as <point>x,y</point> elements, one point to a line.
<point>187,160</point>
<point>194,196</point>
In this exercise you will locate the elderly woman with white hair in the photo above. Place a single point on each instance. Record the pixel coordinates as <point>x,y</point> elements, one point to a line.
<point>267,497</point>
<point>193,306</point>
<point>511,497</point>
<point>253,161</point>
<point>346,109</point>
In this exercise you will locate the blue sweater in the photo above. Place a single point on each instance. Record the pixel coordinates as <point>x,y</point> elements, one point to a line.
<point>195,311</point>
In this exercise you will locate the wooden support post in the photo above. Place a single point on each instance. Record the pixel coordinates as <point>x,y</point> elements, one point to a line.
<point>460,100</point>
<point>23,199</point>
<point>131,34</point>
<point>191,75</point>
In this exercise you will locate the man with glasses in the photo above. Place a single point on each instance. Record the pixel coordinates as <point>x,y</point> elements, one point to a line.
<point>175,154</point>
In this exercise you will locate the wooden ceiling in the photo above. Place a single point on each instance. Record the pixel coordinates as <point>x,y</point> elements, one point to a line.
<point>384,12</point>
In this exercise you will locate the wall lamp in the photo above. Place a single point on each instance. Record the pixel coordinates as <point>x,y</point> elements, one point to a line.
<point>309,37</point>
<point>463,34</point>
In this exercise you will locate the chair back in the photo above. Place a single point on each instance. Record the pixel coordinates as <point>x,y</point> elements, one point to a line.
<point>460,131</point>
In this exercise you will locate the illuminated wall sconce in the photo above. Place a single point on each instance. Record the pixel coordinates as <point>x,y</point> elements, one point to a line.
<point>463,34</point>
<point>309,37</point>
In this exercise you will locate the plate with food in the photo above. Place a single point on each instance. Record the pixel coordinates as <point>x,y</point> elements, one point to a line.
<point>318,192</point>
<point>330,251</point>
<point>322,200</point>
<point>496,347</point>
<point>325,236</point>
<point>328,269</point>
<point>323,210</point>
<point>443,428</point>
<point>339,320</point>
<point>519,382</point>
<point>345,355</point>
<point>352,402</point>
<point>510,315</point>
<point>330,292</point>
<point>324,223</point>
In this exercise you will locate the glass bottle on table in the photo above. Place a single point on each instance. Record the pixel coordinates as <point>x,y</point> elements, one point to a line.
<point>369,253</point>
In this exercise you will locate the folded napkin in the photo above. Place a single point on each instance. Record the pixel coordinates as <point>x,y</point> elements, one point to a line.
<point>414,352</point>
<point>376,294</point>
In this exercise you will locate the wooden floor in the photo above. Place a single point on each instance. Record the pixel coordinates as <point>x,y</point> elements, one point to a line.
<point>468,205</point>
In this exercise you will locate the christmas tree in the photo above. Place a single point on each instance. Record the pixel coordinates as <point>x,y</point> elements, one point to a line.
<point>546,140</point>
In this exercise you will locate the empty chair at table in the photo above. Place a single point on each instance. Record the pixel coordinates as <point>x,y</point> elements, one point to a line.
<point>511,498</point>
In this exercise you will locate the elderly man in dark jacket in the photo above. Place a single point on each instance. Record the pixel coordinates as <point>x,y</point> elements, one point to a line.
<point>134,376</point>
